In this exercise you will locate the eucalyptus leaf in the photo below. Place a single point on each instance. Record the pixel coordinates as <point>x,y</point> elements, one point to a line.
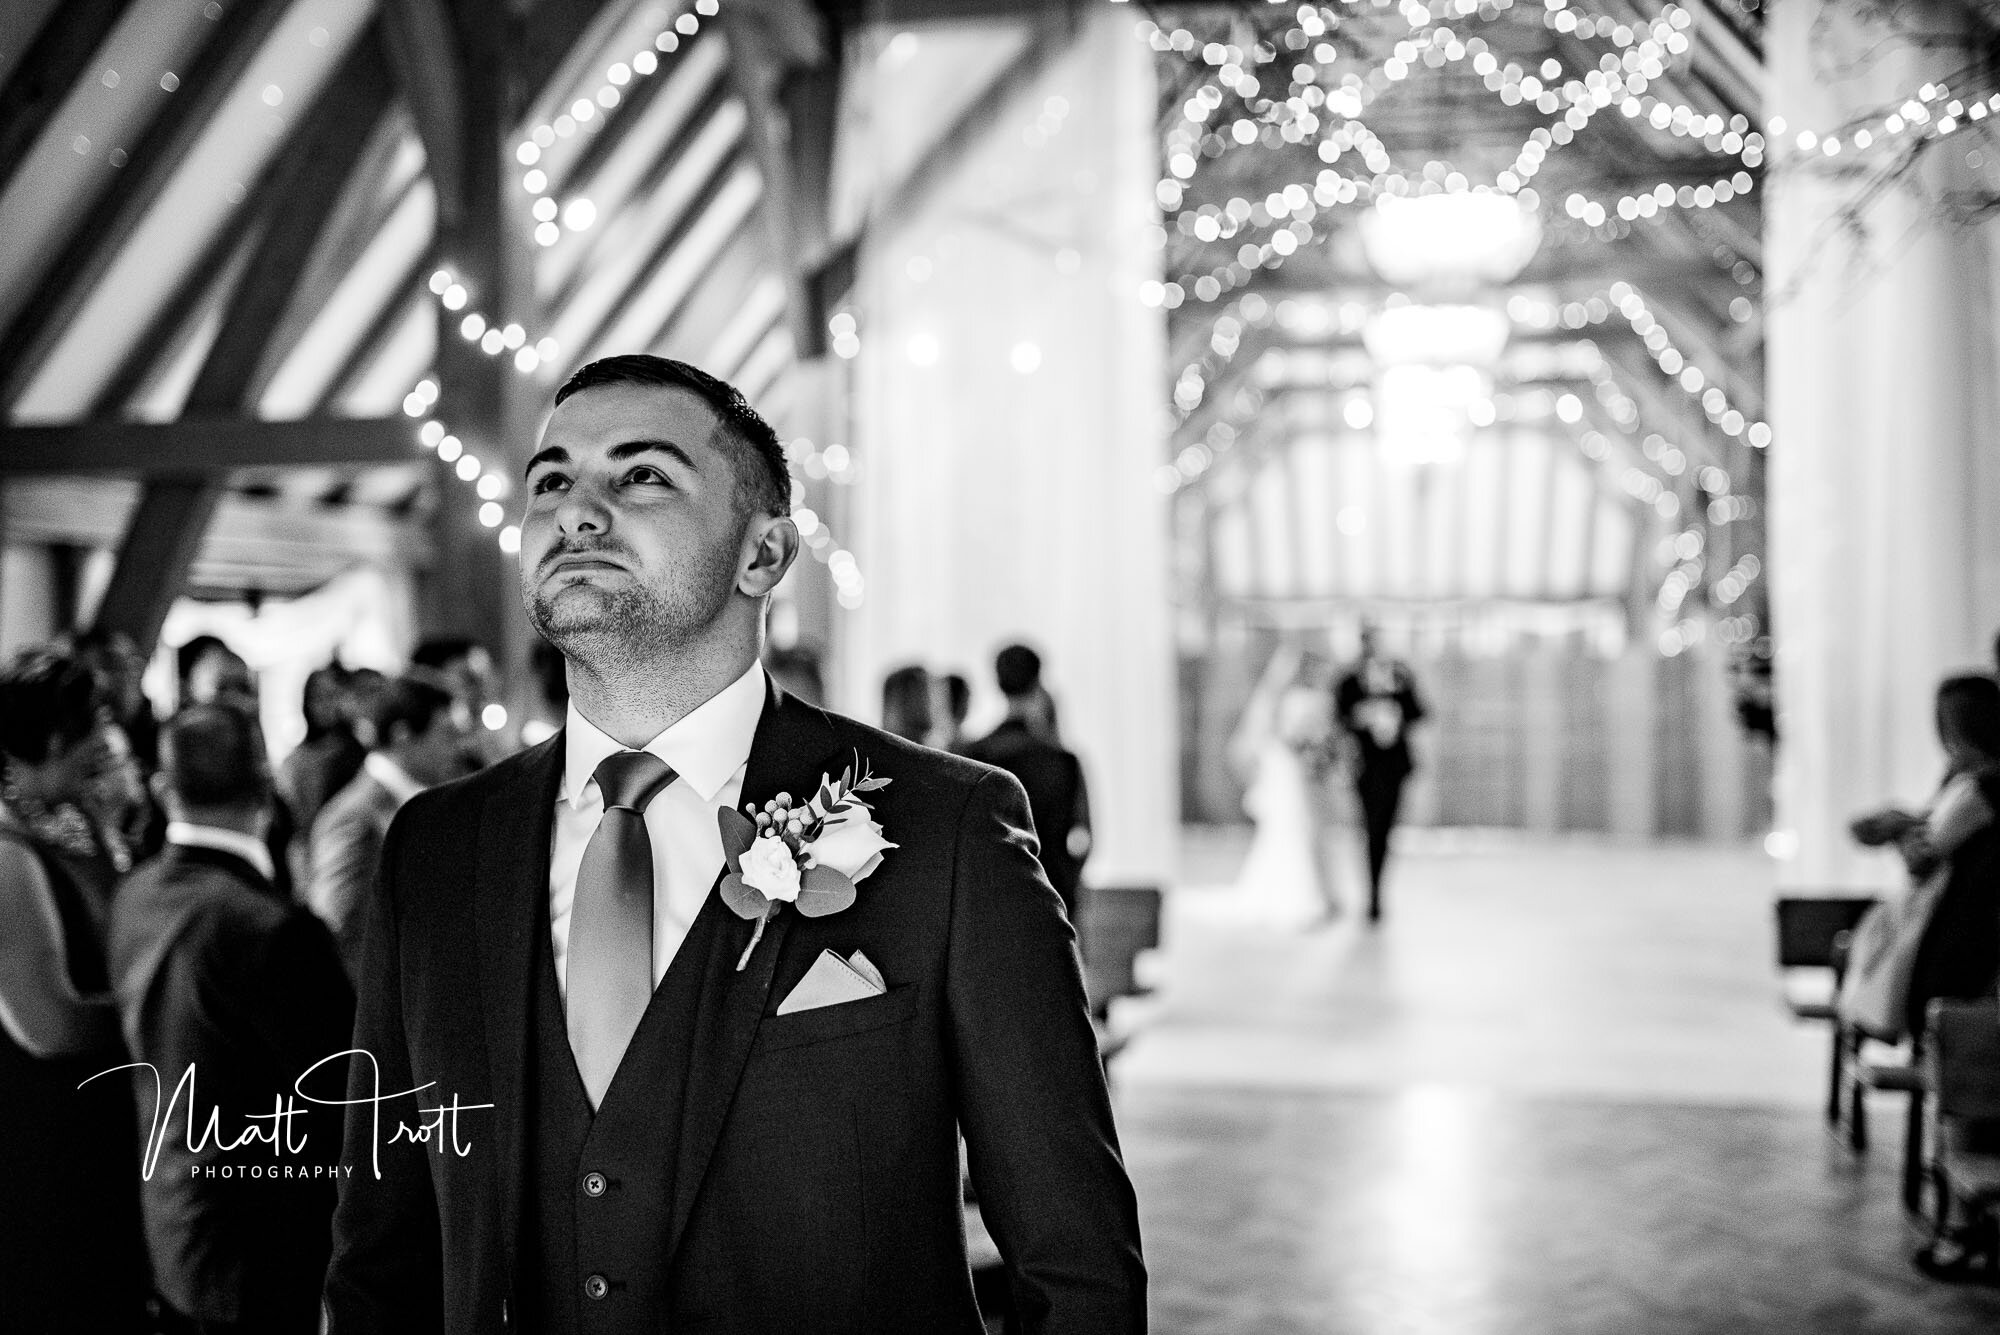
<point>738,833</point>
<point>822,890</point>
<point>743,900</point>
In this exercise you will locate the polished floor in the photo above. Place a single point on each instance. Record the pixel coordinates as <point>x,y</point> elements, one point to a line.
<point>1554,1094</point>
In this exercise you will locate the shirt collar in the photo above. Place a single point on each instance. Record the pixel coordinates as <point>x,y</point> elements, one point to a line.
<point>185,835</point>
<point>391,776</point>
<point>705,748</point>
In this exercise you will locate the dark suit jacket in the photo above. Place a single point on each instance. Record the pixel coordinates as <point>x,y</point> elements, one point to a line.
<point>818,1183</point>
<point>1057,798</point>
<point>1354,691</point>
<point>213,970</point>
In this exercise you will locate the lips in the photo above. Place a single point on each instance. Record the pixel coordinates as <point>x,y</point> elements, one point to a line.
<point>581,561</point>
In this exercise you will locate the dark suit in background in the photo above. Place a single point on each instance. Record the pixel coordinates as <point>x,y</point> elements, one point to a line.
<point>1377,702</point>
<point>746,1171</point>
<point>215,970</point>
<point>1057,799</point>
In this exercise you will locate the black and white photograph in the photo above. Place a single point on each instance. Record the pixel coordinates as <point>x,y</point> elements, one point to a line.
<point>999,667</point>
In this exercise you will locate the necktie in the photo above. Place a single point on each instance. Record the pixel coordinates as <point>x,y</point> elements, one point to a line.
<point>610,965</point>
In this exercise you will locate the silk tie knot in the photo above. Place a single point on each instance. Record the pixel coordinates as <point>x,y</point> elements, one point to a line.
<point>631,779</point>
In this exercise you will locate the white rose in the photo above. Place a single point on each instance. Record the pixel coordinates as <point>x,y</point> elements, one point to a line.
<point>770,869</point>
<point>850,842</point>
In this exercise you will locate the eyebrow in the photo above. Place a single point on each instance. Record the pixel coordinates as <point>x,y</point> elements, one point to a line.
<point>623,450</point>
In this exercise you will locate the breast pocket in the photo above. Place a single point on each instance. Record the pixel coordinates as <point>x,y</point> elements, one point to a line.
<point>823,1024</point>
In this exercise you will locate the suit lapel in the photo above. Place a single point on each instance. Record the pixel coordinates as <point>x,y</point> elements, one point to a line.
<point>793,746</point>
<point>513,896</point>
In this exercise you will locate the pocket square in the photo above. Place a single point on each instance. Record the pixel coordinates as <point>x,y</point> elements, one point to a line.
<point>833,980</point>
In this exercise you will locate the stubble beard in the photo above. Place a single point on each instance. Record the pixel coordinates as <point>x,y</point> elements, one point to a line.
<point>614,632</point>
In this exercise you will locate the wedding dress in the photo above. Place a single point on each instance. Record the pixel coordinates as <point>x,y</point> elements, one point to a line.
<point>1289,799</point>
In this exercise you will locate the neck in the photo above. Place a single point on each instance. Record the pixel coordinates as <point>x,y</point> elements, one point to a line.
<point>1021,709</point>
<point>634,704</point>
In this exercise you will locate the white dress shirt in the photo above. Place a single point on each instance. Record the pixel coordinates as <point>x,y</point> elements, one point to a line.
<point>252,851</point>
<point>709,749</point>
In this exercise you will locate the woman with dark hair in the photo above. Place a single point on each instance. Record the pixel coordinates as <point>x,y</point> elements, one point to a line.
<point>1959,842</point>
<point>71,1256</point>
<point>1955,853</point>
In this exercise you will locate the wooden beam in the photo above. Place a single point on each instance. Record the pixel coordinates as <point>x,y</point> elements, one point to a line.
<point>58,59</point>
<point>166,530</point>
<point>248,530</point>
<point>207,444</point>
<point>791,89</point>
<point>60,291</point>
<point>428,69</point>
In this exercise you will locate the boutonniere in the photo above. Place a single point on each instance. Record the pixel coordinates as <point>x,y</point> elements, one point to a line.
<point>806,854</point>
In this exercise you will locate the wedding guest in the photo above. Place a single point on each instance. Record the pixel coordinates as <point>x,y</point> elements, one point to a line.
<point>1376,701</point>
<point>71,1256</point>
<point>210,670</point>
<point>464,667</point>
<point>418,745</point>
<point>121,671</point>
<point>330,756</point>
<point>906,704</point>
<point>1058,799</point>
<point>217,974</point>
<point>1958,841</point>
<point>957,704</point>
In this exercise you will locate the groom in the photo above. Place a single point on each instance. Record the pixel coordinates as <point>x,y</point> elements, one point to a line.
<point>695,1124</point>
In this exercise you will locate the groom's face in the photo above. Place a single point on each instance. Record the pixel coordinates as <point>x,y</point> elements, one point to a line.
<point>633,536</point>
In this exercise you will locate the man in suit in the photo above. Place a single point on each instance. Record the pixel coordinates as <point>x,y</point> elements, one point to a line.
<point>1053,777</point>
<point>418,744</point>
<point>1376,701</point>
<point>217,974</point>
<point>660,1129</point>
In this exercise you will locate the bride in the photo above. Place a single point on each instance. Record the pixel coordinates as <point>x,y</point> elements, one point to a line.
<point>1287,746</point>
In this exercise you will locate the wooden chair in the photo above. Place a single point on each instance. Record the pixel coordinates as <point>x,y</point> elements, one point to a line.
<point>1811,932</point>
<point>1962,1063</point>
<point>1114,924</point>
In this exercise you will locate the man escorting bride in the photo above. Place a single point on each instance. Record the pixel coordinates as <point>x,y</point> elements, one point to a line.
<point>1296,762</point>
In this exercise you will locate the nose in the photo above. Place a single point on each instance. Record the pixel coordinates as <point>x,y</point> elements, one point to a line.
<point>582,511</point>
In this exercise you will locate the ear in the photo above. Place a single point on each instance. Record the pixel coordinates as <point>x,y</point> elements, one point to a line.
<point>770,545</point>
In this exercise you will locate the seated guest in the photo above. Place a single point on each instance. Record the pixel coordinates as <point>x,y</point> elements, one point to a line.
<point>216,973</point>
<point>1023,745</point>
<point>418,745</point>
<point>71,1255</point>
<point>1942,937</point>
<point>1958,845</point>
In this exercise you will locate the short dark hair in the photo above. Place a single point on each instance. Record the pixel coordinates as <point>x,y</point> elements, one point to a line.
<point>1969,704</point>
<point>957,696</point>
<point>441,651</point>
<point>47,696</point>
<point>1018,669</point>
<point>196,649</point>
<point>763,481</point>
<point>413,700</point>
<point>212,756</point>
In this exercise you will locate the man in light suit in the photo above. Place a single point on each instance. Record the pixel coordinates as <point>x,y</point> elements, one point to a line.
<point>706,1147</point>
<point>418,744</point>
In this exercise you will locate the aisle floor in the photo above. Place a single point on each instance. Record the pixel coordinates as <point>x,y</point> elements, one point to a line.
<point>1554,1094</point>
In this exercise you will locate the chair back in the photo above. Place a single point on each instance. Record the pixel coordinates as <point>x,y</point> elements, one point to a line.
<point>1807,925</point>
<point>1963,1053</point>
<point>1115,923</point>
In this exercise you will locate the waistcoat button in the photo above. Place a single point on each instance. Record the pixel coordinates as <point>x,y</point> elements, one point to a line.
<point>593,1184</point>
<point>596,1287</point>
